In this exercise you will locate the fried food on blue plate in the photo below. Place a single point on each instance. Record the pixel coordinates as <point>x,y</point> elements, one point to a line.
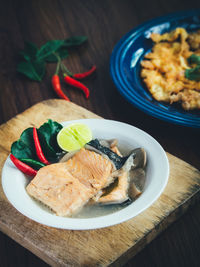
<point>164,68</point>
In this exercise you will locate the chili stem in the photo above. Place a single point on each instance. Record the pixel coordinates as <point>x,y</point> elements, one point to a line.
<point>64,69</point>
<point>57,68</point>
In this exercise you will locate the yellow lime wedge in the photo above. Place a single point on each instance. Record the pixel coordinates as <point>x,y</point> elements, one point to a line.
<point>74,136</point>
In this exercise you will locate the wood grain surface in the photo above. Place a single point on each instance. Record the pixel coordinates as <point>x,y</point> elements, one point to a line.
<point>84,248</point>
<point>104,22</point>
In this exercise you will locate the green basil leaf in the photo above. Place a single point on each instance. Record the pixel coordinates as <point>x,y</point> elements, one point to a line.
<point>194,59</point>
<point>33,163</point>
<point>27,137</point>
<point>48,139</point>
<point>50,130</point>
<point>34,70</point>
<point>19,149</point>
<point>75,41</point>
<point>24,147</point>
<point>193,74</point>
<point>49,48</point>
<point>30,51</point>
<point>61,52</point>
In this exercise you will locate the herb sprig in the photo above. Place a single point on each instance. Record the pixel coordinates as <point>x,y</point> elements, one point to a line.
<point>35,59</point>
<point>193,73</point>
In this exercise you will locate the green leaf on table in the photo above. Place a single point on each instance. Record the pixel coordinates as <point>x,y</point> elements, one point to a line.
<point>62,52</point>
<point>48,139</point>
<point>49,48</point>
<point>34,65</point>
<point>34,70</point>
<point>24,147</point>
<point>194,59</point>
<point>193,74</point>
<point>75,41</point>
<point>30,51</point>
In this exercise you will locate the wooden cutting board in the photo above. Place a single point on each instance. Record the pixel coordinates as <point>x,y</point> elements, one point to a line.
<point>109,246</point>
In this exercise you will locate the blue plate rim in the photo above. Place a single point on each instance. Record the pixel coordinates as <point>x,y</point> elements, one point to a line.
<point>117,78</point>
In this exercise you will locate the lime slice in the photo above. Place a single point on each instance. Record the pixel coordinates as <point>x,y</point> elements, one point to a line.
<point>74,136</point>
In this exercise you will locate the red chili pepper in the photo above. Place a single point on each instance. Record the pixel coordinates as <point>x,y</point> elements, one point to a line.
<point>38,147</point>
<point>71,81</point>
<point>22,166</point>
<point>85,74</point>
<point>57,87</point>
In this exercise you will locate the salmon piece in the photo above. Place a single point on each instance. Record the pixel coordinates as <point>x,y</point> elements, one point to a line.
<point>55,187</point>
<point>67,187</point>
<point>91,169</point>
<point>119,194</point>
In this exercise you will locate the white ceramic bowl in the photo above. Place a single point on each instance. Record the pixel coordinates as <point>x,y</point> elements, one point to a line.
<point>129,137</point>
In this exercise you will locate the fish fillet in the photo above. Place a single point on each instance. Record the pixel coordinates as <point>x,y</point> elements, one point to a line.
<point>91,169</point>
<point>55,187</point>
<point>67,187</point>
<point>119,193</point>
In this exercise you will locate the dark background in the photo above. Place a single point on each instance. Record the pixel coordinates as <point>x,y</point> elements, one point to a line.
<point>104,22</point>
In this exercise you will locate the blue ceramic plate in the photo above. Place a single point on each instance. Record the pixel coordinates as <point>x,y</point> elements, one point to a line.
<point>125,67</point>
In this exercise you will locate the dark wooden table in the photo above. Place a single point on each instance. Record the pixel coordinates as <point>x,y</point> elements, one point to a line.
<point>104,22</point>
